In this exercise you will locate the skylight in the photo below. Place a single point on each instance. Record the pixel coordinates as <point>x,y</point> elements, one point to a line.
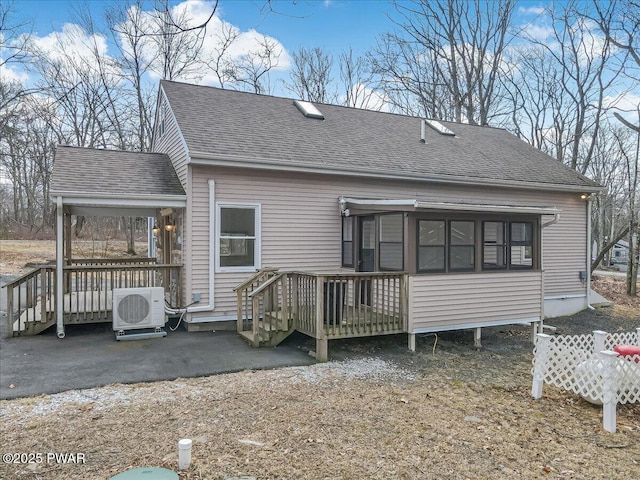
<point>440,128</point>
<point>308,109</point>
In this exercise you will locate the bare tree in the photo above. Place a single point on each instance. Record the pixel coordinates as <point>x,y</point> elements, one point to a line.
<point>310,77</point>
<point>451,45</point>
<point>178,44</point>
<point>251,71</point>
<point>619,20</point>
<point>356,80</point>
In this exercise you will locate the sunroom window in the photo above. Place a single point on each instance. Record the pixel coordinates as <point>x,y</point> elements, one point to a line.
<point>521,245</point>
<point>507,245</point>
<point>237,237</point>
<point>390,245</point>
<point>347,241</point>
<point>462,252</point>
<point>431,245</point>
<point>494,253</point>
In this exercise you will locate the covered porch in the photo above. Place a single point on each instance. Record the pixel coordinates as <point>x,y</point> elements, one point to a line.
<point>101,183</point>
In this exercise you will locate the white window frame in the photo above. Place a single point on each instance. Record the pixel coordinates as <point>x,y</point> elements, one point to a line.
<point>257,251</point>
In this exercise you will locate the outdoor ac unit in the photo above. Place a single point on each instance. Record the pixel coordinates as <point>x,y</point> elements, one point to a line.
<point>135,308</point>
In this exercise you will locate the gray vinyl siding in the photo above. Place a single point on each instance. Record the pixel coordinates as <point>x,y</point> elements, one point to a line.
<point>171,141</point>
<point>451,301</point>
<point>301,225</point>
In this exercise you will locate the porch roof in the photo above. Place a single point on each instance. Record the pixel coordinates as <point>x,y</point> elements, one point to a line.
<point>113,178</point>
<point>369,204</point>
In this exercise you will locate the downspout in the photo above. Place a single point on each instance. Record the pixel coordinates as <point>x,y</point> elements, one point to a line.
<point>589,306</point>
<point>59,268</point>
<point>212,251</point>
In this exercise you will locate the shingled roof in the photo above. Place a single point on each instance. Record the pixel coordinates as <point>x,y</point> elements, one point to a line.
<point>268,131</point>
<point>92,171</point>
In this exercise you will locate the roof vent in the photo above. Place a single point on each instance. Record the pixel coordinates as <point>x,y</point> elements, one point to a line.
<point>308,109</point>
<point>440,128</point>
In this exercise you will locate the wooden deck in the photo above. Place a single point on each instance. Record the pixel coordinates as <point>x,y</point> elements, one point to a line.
<point>88,292</point>
<point>325,307</point>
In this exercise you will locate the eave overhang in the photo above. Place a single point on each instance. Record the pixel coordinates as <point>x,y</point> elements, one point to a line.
<point>237,161</point>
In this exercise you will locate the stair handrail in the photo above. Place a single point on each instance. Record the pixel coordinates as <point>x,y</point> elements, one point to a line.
<point>266,284</point>
<point>255,277</point>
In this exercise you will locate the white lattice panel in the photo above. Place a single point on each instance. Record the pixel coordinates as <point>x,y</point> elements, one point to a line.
<point>578,364</point>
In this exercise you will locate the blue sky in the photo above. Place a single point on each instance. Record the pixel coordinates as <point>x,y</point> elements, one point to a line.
<point>333,25</point>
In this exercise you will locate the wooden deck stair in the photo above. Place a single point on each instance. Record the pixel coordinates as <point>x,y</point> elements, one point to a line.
<point>272,304</point>
<point>269,335</point>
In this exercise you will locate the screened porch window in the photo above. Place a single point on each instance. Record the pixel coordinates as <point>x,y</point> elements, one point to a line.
<point>521,245</point>
<point>347,241</point>
<point>462,252</point>
<point>446,246</point>
<point>494,253</point>
<point>507,245</point>
<point>431,245</point>
<point>391,247</point>
<point>237,236</point>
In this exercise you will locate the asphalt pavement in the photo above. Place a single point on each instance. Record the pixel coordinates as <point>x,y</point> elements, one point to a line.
<point>90,356</point>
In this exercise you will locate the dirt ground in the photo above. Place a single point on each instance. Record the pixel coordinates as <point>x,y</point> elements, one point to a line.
<point>375,411</point>
<point>446,411</point>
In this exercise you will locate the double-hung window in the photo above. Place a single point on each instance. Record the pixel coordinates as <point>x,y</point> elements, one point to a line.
<point>238,233</point>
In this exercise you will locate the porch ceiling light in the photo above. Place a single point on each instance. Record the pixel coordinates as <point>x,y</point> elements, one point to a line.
<point>584,196</point>
<point>155,229</point>
<point>170,227</point>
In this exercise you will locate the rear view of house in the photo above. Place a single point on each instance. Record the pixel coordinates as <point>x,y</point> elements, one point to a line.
<point>341,222</point>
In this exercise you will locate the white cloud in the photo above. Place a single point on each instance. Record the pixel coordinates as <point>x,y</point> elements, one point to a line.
<point>72,41</point>
<point>625,103</point>
<point>245,44</point>
<point>537,32</point>
<point>538,10</point>
<point>9,73</point>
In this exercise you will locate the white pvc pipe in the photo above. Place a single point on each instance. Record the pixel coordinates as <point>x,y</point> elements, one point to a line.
<point>184,454</point>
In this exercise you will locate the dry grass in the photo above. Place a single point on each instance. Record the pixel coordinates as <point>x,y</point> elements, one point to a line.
<point>614,289</point>
<point>326,421</point>
<point>18,257</point>
<point>442,416</point>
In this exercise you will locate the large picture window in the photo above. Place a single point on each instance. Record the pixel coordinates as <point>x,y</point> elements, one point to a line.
<point>238,234</point>
<point>391,246</point>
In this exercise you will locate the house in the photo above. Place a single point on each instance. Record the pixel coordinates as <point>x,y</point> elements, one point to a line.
<point>620,253</point>
<point>341,222</point>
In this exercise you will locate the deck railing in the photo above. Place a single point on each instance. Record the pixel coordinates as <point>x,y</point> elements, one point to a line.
<point>245,303</point>
<point>31,298</point>
<point>23,296</point>
<point>323,306</point>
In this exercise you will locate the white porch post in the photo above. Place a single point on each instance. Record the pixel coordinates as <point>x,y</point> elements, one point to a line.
<point>59,268</point>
